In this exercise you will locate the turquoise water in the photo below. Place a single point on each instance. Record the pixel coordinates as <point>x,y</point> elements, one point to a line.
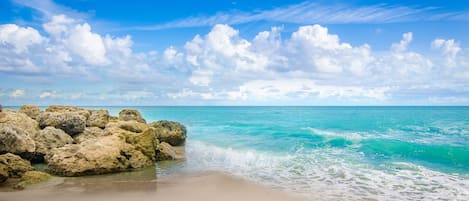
<point>386,153</point>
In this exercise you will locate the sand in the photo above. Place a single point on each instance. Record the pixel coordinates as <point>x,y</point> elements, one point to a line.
<point>130,187</point>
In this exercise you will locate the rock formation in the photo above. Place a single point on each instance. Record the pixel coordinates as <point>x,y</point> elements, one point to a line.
<point>72,141</point>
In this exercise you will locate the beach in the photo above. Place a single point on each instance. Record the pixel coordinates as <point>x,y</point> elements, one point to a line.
<point>124,186</point>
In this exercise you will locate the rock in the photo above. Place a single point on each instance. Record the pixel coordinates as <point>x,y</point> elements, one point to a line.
<point>32,177</point>
<point>98,118</point>
<point>166,152</point>
<point>132,126</point>
<point>30,110</point>
<point>3,173</point>
<point>104,155</point>
<point>20,120</point>
<point>15,165</point>
<point>50,138</point>
<point>145,142</point>
<point>89,133</point>
<point>128,115</point>
<point>14,139</point>
<point>137,134</point>
<point>70,122</point>
<point>62,109</point>
<point>171,132</point>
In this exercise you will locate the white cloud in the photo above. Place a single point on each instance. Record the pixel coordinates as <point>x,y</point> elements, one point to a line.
<point>402,45</point>
<point>449,49</point>
<point>48,94</point>
<point>17,93</point>
<point>87,45</point>
<point>19,37</point>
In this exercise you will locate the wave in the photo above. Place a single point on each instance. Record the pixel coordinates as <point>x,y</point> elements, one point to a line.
<point>336,173</point>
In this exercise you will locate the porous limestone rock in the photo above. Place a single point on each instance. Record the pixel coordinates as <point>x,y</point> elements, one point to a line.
<point>20,120</point>
<point>70,122</point>
<point>129,115</point>
<point>30,110</point>
<point>104,155</point>
<point>137,134</point>
<point>32,177</point>
<point>98,118</point>
<point>16,166</point>
<point>14,139</point>
<point>171,132</point>
<point>50,138</point>
<point>166,152</point>
<point>89,133</point>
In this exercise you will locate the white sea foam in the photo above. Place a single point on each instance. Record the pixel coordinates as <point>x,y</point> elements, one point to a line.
<point>334,173</point>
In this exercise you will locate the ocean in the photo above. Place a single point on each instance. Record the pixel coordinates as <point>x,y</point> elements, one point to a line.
<point>385,153</point>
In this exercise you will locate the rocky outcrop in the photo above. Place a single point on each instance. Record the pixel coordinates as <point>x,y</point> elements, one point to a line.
<point>75,141</point>
<point>32,177</point>
<point>166,152</point>
<point>15,165</point>
<point>98,118</point>
<point>129,115</point>
<point>50,138</point>
<point>14,139</point>
<point>104,155</point>
<point>171,132</point>
<point>89,133</point>
<point>70,122</point>
<point>30,110</point>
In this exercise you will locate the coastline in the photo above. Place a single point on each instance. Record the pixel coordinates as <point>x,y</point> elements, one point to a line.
<point>141,186</point>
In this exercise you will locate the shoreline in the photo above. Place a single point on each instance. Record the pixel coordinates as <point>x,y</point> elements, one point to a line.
<point>142,186</point>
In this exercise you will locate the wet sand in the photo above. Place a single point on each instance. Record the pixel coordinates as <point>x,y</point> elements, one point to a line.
<point>144,186</point>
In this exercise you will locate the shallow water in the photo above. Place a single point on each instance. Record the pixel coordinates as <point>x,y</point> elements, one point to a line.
<point>419,153</point>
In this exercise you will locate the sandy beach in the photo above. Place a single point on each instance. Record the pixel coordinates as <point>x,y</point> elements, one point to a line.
<point>139,186</point>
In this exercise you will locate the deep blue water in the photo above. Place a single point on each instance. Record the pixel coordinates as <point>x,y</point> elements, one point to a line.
<point>345,152</point>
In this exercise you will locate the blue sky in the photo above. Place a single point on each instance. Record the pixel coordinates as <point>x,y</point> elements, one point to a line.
<point>90,52</point>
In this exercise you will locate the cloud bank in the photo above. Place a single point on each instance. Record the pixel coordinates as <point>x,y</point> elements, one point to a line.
<point>310,66</point>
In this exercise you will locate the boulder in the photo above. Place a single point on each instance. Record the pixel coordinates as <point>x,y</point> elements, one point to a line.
<point>30,110</point>
<point>89,133</point>
<point>32,177</point>
<point>14,139</point>
<point>61,109</point>
<point>98,118</point>
<point>166,152</point>
<point>15,165</point>
<point>50,138</point>
<point>171,132</point>
<point>70,122</point>
<point>132,126</point>
<point>129,115</point>
<point>137,134</point>
<point>20,120</point>
<point>104,155</point>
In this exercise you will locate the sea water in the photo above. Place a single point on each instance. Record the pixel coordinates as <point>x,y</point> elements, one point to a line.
<point>385,153</point>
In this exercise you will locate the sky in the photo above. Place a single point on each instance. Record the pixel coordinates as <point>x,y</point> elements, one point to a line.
<point>238,52</point>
